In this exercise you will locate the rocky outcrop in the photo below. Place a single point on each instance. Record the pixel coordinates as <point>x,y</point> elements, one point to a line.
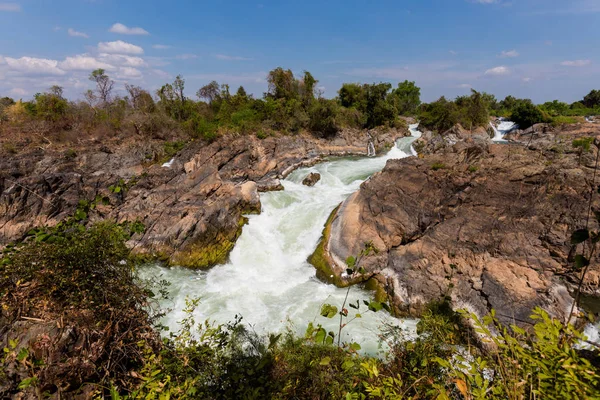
<point>193,208</point>
<point>488,226</point>
<point>431,142</point>
<point>311,179</point>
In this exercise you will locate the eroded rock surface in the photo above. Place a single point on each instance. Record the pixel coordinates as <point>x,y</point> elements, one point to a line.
<point>192,208</point>
<point>487,225</point>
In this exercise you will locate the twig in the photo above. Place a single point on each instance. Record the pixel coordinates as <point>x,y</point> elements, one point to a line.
<point>29,190</point>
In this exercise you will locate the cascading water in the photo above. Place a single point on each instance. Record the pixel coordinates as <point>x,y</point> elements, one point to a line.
<point>502,129</point>
<point>268,280</point>
<point>371,149</point>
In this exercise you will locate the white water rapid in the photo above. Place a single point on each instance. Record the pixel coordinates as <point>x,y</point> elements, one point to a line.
<point>502,129</point>
<point>268,280</point>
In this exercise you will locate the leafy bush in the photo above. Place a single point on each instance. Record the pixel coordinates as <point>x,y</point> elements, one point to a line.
<point>81,280</point>
<point>541,363</point>
<point>526,114</point>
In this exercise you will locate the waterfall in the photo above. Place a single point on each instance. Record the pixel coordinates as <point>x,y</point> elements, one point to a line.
<point>371,149</point>
<point>502,129</point>
<point>268,280</point>
<point>370,146</point>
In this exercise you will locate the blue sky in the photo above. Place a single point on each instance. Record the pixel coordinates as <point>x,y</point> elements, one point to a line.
<point>540,49</point>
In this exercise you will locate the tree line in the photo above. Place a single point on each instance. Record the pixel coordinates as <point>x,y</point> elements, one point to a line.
<point>290,105</point>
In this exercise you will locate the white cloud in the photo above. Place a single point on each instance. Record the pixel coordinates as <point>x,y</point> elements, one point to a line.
<point>231,58</point>
<point>119,47</point>
<point>454,53</point>
<point>497,71</point>
<point>509,54</point>
<point>484,1</point>
<point>122,60</point>
<point>465,86</point>
<point>84,62</point>
<point>74,33</point>
<point>575,63</point>
<point>34,66</point>
<point>18,92</point>
<point>527,79</point>
<point>125,30</point>
<point>128,72</point>
<point>161,47</point>
<point>10,7</point>
<point>186,56</point>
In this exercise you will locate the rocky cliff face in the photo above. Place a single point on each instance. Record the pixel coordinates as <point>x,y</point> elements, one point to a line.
<point>193,210</point>
<point>487,225</point>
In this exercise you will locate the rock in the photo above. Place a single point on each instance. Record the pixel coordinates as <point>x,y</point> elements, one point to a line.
<point>269,185</point>
<point>488,225</point>
<point>193,212</point>
<point>311,179</point>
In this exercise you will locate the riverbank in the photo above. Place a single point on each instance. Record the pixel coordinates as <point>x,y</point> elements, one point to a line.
<point>192,208</point>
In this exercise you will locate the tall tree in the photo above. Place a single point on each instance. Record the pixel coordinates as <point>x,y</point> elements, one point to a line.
<point>407,97</point>
<point>209,92</point>
<point>282,84</point>
<point>308,88</point>
<point>104,85</point>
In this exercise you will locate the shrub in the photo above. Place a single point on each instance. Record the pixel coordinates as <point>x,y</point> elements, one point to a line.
<point>527,114</point>
<point>323,118</point>
<point>81,279</point>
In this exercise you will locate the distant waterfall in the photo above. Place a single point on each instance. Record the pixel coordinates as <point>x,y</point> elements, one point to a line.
<point>371,147</point>
<point>502,129</point>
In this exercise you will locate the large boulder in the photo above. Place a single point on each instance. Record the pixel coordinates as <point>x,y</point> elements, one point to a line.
<point>488,226</point>
<point>311,179</point>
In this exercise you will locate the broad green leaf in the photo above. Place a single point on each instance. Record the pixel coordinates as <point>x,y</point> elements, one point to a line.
<point>329,311</point>
<point>325,361</point>
<point>375,306</point>
<point>581,261</point>
<point>320,336</point>
<point>347,364</point>
<point>580,236</point>
<point>355,346</point>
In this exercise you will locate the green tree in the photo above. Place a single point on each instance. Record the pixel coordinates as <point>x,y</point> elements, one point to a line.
<point>351,95</point>
<point>378,110</point>
<point>440,115</point>
<point>407,97</point>
<point>527,114</point>
<point>592,99</point>
<point>308,86</point>
<point>51,106</point>
<point>282,84</point>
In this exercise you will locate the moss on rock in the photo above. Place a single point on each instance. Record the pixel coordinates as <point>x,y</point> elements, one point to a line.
<point>320,260</point>
<point>204,256</point>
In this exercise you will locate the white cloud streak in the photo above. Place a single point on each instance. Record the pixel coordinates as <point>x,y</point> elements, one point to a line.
<point>74,33</point>
<point>231,58</point>
<point>10,7</point>
<point>125,30</point>
<point>509,54</point>
<point>119,47</point>
<point>575,63</point>
<point>498,71</point>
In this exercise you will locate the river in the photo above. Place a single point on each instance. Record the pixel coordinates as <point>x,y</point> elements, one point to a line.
<point>267,280</point>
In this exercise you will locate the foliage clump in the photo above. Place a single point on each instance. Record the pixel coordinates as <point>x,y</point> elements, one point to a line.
<point>80,280</point>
